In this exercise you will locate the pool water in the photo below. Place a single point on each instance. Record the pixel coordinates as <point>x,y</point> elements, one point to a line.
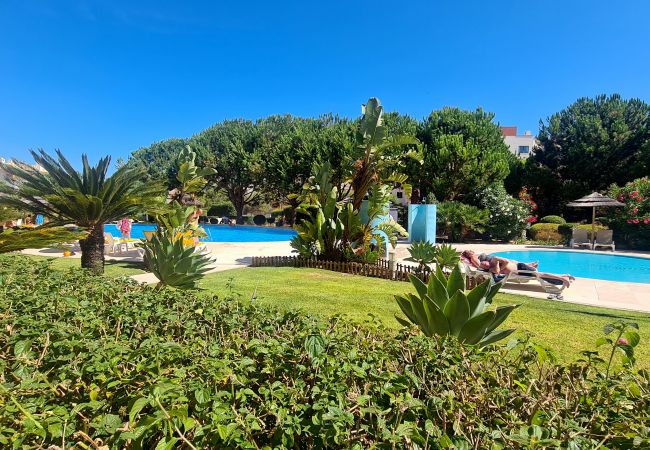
<point>219,233</point>
<point>601,266</point>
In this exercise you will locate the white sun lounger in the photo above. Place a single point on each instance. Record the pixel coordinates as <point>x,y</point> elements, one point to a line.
<point>553,290</point>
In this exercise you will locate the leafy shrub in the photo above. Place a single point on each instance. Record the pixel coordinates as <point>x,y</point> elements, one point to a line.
<point>259,219</point>
<point>127,366</point>
<point>224,209</point>
<point>553,219</point>
<point>508,216</point>
<point>457,219</point>
<point>545,232</point>
<point>631,223</point>
<point>566,230</point>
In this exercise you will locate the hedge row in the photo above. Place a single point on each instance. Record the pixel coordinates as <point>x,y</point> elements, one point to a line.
<point>559,233</point>
<point>111,364</point>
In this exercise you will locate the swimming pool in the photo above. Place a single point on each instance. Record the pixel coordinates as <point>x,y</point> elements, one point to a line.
<point>601,266</point>
<point>219,233</point>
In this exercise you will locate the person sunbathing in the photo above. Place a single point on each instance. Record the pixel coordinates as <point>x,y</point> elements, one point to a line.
<point>501,267</point>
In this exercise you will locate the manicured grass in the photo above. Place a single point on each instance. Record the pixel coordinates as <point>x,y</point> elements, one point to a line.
<point>112,268</point>
<point>564,327</point>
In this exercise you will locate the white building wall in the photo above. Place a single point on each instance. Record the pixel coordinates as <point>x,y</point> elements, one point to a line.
<point>517,144</point>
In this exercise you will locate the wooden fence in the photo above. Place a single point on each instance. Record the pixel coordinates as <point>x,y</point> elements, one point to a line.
<point>386,269</point>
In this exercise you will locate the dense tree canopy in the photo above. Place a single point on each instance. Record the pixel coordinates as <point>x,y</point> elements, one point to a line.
<point>588,146</point>
<point>291,146</point>
<point>463,151</point>
<point>159,159</point>
<point>234,147</point>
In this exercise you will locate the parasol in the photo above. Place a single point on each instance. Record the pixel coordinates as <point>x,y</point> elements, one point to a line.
<point>594,200</point>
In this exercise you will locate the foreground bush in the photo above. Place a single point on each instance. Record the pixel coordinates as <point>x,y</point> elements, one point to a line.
<point>103,362</point>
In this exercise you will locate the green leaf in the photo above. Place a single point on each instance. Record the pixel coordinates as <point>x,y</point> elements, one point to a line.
<point>405,305</point>
<point>476,328</point>
<point>437,292</point>
<point>456,281</point>
<point>632,337</point>
<point>457,312</point>
<point>602,341</point>
<point>22,347</point>
<point>495,336</point>
<point>315,345</point>
<point>403,322</point>
<point>138,405</point>
<point>437,321</point>
<point>419,285</point>
<point>476,297</point>
<point>501,314</point>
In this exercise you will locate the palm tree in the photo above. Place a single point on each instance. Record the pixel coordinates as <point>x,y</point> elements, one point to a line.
<point>88,199</point>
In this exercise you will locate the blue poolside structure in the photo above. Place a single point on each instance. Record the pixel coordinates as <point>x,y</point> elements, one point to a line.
<point>422,223</point>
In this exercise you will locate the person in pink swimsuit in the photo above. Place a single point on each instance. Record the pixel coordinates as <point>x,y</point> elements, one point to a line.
<point>124,226</point>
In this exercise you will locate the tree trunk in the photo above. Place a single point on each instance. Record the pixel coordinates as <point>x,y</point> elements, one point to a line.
<point>92,250</point>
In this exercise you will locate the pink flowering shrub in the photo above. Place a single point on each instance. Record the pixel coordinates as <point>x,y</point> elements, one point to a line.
<point>636,196</point>
<point>633,220</point>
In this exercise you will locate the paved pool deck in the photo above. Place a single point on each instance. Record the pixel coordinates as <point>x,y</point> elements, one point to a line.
<point>586,291</point>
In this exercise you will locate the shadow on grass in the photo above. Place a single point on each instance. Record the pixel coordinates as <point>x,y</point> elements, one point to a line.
<point>136,265</point>
<point>623,314</point>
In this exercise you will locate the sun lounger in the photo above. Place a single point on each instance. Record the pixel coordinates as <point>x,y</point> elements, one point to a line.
<point>111,245</point>
<point>580,238</point>
<point>604,238</point>
<point>552,286</point>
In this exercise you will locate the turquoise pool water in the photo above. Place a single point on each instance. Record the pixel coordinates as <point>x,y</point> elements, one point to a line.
<point>601,266</point>
<point>219,233</point>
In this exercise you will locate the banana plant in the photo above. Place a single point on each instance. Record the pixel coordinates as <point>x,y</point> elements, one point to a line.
<point>378,163</point>
<point>443,308</point>
<point>191,178</point>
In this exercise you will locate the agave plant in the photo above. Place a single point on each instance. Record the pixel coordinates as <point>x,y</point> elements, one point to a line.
<point>173,261</point>
<point>441,307</point>
<point>88,199</point>
<point>171,254</point>
<point>446,256</point>
<point>423,253</point>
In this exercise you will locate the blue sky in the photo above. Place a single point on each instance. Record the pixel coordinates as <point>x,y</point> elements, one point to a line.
<point>110,76</point>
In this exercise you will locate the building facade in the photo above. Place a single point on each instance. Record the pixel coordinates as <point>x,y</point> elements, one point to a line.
<point>521,145</point>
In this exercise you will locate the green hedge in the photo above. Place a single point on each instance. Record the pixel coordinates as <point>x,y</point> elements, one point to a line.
<point>131,366</point>
<point>221,210</point>
<point>552,219</point>
<point>545,232</point>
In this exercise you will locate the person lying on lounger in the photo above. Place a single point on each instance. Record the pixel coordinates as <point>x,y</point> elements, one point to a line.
<point>501,267</point>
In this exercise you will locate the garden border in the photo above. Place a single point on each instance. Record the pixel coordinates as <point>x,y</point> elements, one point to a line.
<point>383,268</point>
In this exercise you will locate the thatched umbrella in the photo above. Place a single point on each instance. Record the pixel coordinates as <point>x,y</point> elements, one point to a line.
<point>594,200</point>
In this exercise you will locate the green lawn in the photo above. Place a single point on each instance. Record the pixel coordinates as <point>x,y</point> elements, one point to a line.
<point>564,327</point>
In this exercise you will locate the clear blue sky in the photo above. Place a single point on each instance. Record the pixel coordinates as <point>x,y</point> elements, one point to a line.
<point>110,76</point>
